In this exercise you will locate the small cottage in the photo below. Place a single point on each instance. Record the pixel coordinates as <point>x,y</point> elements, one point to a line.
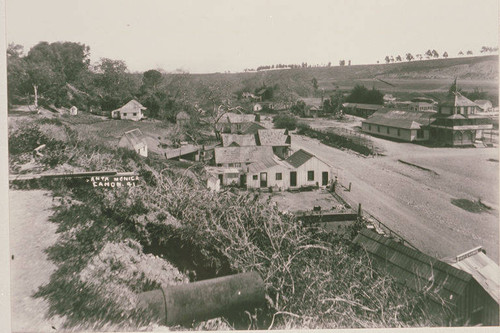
<point>134,140</point>
<point>308,170</point>
<point>131,111</point>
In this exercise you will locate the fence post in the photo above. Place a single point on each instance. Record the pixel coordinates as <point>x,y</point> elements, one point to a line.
<point>359,210</point>
<point>349,186</point>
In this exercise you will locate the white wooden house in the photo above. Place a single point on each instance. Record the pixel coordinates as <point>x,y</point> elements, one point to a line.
<point>131,111</point>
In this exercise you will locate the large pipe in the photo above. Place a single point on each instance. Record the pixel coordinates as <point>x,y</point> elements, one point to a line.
<point>202,300</point>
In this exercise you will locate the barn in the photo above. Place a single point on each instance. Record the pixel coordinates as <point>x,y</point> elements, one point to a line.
<point>455,296</point>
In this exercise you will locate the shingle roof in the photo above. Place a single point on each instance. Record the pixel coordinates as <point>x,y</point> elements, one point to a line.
<point>484,270</point>
<point>413,268</point>
<point>273,137</point>
<point>401,119</point>
<point>235,118</point>
<point>135,138</point>
<point>267,163</point>
<point>251,128</point>
<point>299,157</point>
<point>238,139</point>
<point>458,100</point>
<point>131,106</point>
<point>246,154</point>
<point>363,106</point>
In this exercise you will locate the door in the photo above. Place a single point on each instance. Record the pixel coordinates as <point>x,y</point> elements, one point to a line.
<point>243,180</point>
<point>221,179</point>
<point>324,178</point>
<point>293,178</point>
<point>263,179</point>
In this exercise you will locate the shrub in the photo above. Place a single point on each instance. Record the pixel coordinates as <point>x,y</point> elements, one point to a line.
<point>285,121</point>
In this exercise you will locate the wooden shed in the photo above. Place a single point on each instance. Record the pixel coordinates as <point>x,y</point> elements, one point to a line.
<point>456,298</point>
<point>136,141</point>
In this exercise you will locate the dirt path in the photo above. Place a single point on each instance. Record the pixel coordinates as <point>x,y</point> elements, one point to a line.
<point>30,234</point>
<point>416,203</point>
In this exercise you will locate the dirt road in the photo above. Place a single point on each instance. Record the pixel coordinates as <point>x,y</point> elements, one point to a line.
<point>417,203</point>
<point>30,234</point>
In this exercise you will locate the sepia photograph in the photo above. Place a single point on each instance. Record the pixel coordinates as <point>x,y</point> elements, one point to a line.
<point>250,165</point>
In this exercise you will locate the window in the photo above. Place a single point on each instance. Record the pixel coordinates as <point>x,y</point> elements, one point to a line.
<point>135,114</point>
<point>124,114</point>
<point>279,176</point>
<point>237,165</point>
<point>420,133</point>
<point>255,177</point>
<point>399,132</point>
<point>388,130</point>
<point>310,175</point>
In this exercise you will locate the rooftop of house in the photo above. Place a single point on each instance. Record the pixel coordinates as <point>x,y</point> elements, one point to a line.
<point>247,154</point>
<point>484,270</point>
<point>414,268</point>
<point>266,163</point>
<point>363,106</point>
<point>135,137</point>
<point>238,140</point>
<point>458,100</point>
<point>401,119</point>
<point>251,128</point>
<point>235,118</point>
<point>299,157</point>
<point>273,137</point>
<point>131,106</point>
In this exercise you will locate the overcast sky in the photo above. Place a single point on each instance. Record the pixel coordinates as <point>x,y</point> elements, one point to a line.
<point>221,35</point>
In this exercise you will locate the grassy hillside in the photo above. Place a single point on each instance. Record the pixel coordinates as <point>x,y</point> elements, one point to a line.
<point>419,77</point>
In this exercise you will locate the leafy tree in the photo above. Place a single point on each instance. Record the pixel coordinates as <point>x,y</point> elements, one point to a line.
<point>299,108</point>
<point>387,59</point>
<point>428,54</point>
<point>435,54</point>
<point>360,94</point>
<point>409,57</point>
<point>314,83</point>
<point>114,85</point>
<point>285,121</point>
<point>445,54</point>
<point>17,76</point>
<point>398,58</point>
<point>342,62</point>
<point>469,52</point>
<point>460,53</point>
<point>152,79</point>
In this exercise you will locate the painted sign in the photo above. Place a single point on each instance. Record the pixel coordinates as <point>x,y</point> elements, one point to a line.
<point>113,181</point>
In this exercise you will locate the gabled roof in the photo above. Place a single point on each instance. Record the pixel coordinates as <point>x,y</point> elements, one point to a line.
<point>481,101</point>
<point>251,128</point>
<point>245,154</point>
<point>458,100</point>
<point>363,106</point>
<point>414,268</point>
<point>273,137</point>
<point>238,139</point>
<point>299,157</point>
<point>401,119</point>
<point>266,163</point>
<point>236,118</point>
<point>135,138</point>
<point>131,106</point>
<point>484,270</point>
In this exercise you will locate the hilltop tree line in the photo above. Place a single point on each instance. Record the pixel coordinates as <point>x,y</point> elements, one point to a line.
<point>294,66</point>
<point>433,54</point>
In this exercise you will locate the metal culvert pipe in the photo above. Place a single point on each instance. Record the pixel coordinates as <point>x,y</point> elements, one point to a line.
<point>202,300</point>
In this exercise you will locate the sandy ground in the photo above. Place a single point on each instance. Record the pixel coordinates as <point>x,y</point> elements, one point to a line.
<point>305,201</point>
<point>417,203</point>
<point>30,234</point>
